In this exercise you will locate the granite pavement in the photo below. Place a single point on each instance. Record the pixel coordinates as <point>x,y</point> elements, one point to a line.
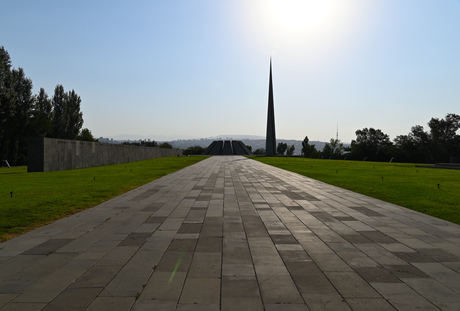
<point>230,233</point>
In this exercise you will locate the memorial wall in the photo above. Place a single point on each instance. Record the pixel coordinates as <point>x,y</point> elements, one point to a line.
<point>50,154</point>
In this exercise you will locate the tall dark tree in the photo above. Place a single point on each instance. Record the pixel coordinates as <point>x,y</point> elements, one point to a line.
<point>19,123</point>
<point>371,144</point>
<point>6,100</point>
<point>414,147</point>
<point>194,150</point>
<point>74,115</point>
<point>333,149</point>
<point>444,137</point>
<point>68,119</point>
<point>86,135</point>
<point>165,145</point>
<point>281,148</point>
<point>308,150</point>
<point>42,115</point>
<point>290,150</point>
<point>60,122</point>
<point>438,145</point>
<point>15,107</point>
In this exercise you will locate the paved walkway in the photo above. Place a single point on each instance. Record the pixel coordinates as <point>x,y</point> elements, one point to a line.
<point>231,233</point>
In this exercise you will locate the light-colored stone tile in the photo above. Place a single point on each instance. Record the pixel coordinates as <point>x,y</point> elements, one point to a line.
<point>380,254</point>
<point>330,262</point>
<point>351,285</point>
<point>402,297</point>
<point>435,292</point>
<point>441,273</point>
<point>201,291</point>
<point>397,247</point>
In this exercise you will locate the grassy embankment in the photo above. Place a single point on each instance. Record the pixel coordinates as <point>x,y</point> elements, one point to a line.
<point>39,198</point>
<point>399,183</point>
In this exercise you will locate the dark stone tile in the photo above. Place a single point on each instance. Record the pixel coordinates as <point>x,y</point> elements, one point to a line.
<point>378,237</point>
<point>199,208</point>
<point>255,229</point>
<point>204,198</point>
<point>406,271</point>
<point>323,216</point>
<point>135,239</point>
<point>121,208</point>
<point>15,286</point>
<point>275,205</point>
<point>294,256</point>
<point>73,299</point>
<point>237,255</point>
<point>414,257</point>
<point>155,220</point>
<point>356,239</point>
<point>344,218</point>
<point>377,275</point>
<point>179,245</point>
<point>212,226</point>
<point>240,287</point>
<point>196,214</point>
<point>208,244</point>
<point>250,218</point>
<point>366,211</point>
<point>97,276</point>
<point>315,283</point>
<point>190,228</point>
<point>283,239</point>
<point>175,261</point>
<point>302,267</point>
<point>47,247</point>
<point>295,208</point>
<point>439,254</point>
<point>144,195</point>
<point>292,195</point>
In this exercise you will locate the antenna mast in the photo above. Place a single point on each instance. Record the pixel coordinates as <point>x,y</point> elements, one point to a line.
<point>337,135</point>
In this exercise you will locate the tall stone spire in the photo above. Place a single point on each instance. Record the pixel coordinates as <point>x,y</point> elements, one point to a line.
<point>270,142</point>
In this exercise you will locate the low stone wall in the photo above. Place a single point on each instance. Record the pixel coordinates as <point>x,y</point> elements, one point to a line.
<point>50,154</point>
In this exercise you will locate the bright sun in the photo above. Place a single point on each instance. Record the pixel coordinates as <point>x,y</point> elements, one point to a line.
<point>297,15</point>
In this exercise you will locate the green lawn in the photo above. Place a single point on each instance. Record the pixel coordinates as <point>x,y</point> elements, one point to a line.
<point>39,198</point>
<point>399,183</point>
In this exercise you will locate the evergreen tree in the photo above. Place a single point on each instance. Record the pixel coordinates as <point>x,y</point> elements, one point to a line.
<point>165,145</point>
<point>18,124</point>
<point>290,150</point>
<point>73,114</point>
<point>60,122</point>
<point>281,148</point>
<point>42,115</point>
<point>86,135</point>
<point>6,100</point>
<point>308,150</point>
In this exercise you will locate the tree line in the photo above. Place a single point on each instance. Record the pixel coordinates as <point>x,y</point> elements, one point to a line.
<point>24,115</point>
<point>439,144</point>
<point>148,143</point>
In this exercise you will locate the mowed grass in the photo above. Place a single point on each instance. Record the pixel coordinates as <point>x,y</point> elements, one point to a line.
<point>402,184</point>
<point>40,198</point>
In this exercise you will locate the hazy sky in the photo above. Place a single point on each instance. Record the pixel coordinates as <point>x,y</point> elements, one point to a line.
<point>200,68</point>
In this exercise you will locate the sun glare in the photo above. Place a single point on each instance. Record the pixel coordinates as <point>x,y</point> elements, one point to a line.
<point>298,15</point>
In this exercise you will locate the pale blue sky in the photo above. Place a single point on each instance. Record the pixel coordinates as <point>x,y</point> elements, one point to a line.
<point>200,68</point>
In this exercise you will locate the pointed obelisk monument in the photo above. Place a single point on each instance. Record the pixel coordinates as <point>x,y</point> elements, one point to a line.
<point>270,142</point>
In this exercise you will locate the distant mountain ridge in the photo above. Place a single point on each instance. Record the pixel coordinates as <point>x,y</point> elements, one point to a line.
<point>256,142</point>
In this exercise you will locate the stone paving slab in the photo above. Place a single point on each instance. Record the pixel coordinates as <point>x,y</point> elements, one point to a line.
<point>230,233</point>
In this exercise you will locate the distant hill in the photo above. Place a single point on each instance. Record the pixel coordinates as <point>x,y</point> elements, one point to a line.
<point>256,142</point>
